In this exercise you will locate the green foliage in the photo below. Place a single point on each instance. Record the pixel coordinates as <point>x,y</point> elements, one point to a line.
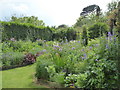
<point>12,58</point>
<point>81,80</point>
<point>51,70</point>
<point>84,36</point>
<point>19,52</point>
<point>42,71</point>
<point>25,30</point>
<point>32,20</point>
<point>61,34</point>
<point>58,77</point>
<point>90,9</point>
<point>97,30</point>
<point>102,74</point>
<point>112,6</point>
<point>70,80</point>
<point>102,70</point>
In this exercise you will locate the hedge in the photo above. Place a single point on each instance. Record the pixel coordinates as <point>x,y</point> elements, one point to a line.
<point>21,31</point>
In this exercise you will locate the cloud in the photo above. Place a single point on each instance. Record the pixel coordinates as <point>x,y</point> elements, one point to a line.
<point>52,12</point>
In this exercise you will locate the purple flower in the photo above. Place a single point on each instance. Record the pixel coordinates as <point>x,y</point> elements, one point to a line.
<point>73,48</point>
<point>107,46</point>
<point>84,56</point>
<point>78,41</point>
<point>56,46</point>
<point>44,50</point>
<point>114,38</point>
<point>82,50</point>
<point>96,60</point>
<point>109,34</point>
<point>96,45</point>
<point>90,47</point>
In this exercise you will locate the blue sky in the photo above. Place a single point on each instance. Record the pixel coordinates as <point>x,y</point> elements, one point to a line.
<point>52,12</point>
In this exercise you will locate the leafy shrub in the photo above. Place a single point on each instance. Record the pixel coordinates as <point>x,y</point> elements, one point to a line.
<point>96,30</point>
<point>25,30</point>
<point>29,58</point>
<point>102,74</point>
<point>84,36</point>
<point>62,34</point>
<point>41,71</point>
<point>81,80</point>
<point>70,80</point>
<point>58,77</point>
<point>43,62</point>
<point>51,70</point>
<point>102,70</point>
<point>12,58</point>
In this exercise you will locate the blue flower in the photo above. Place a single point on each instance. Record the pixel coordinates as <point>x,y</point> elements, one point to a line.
<point>107,46</point>
<point>90,47</point>
<point>84,56</point>
<point>96,60</point>
<point>82,50</point>
<point>56,46</point>
<point>73,48</point>
<point>44,50</point>
<point>109,34</point>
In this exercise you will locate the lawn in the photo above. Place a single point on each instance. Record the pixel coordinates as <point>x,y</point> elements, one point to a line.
<point>22,77</point>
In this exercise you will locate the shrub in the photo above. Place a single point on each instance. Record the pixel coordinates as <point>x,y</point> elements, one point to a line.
<point>70,80</point>
<point>41,71</point>
<point>12,58</point>
<point>25,30</point>
<point>58,77</point>
<point>84,36</point>
<point>29,58</point>
<point>43,62</point>
<point>102,74</point>
<point>81,80</point>
<point>97,30</point>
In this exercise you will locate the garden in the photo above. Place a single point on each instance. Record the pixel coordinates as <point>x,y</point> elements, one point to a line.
<point>85,55</point>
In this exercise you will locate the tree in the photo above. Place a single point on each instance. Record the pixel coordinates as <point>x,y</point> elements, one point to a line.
<point>112,6</point>
<point>62,26</point>
<point>112,15</point>
<point>32,20</point>
<point>90,9</point>
<point>118,55</point>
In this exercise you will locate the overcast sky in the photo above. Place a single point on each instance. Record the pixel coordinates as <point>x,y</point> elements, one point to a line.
<point>52,12</point>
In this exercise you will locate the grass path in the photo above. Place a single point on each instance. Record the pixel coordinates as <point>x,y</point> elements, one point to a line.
<point>19,78</point>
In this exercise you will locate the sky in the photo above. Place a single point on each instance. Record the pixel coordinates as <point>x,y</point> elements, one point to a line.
<point>52,12</point>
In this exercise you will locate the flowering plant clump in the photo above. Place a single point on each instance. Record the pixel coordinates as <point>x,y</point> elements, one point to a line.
<point>29,58</point>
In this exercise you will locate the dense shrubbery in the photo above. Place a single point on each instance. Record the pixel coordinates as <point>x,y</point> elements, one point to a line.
<point>93,66</point>
<point>20,52</point>
<point>22,31</point>
<point>97,30</point>
<point>12,58</point>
